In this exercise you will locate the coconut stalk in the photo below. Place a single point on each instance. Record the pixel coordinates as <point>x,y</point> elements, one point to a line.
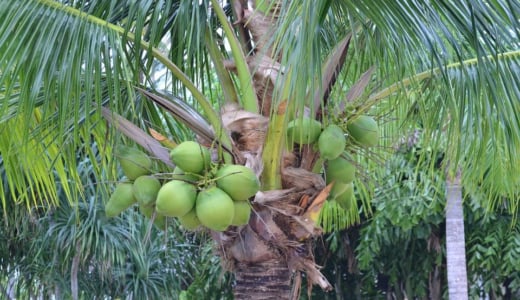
<point>248,99</point>
<point>228,87</point>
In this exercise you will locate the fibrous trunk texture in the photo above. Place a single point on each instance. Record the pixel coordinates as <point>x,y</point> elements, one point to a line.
<point>262,281</point>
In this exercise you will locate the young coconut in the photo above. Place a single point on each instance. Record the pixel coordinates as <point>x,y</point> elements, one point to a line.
<point>147,211</point>
<point>215,208</point>
<point>237,181</point>
<point>303,130</point>
<point>145,189</point>
<point>133,161</point>
<point>346,198</point>
<point>175,198</point>
<point>339,170</point>
<point>242,213</point>
<point>191,157</point>
<point>331,142</point>
<point>190,221</point>
<point>121,199</point>
<point>364,130</point>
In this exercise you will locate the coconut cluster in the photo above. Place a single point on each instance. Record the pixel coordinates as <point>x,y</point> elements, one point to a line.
<point>198,193</point>
<point>139,186</point>
<point>331,143</point>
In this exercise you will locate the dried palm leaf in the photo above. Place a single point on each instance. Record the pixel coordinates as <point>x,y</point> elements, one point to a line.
<point>301,179</point>
<point>137,135</point>
<point>331,70</point>
<point>247,129</point>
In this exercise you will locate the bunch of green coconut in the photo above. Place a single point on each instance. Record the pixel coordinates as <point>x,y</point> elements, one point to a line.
<point>331,142</point>
<point>197,192</point>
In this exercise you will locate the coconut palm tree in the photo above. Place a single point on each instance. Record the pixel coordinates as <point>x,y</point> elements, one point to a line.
<point>237,73</point>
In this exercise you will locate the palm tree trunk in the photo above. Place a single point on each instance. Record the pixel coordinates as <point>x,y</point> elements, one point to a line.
<point>9,291</point>
<point>455,240</point>
<point>74,272</point>
<point>261,281</point>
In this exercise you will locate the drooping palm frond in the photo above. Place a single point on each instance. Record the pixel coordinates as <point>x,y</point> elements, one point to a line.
<point>61,58</point>
<point>460,61</point>
<point>138,135</point>
<point>54,65</point>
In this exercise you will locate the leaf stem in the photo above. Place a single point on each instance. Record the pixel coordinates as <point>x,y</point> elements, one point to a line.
<point>427,74</point>
<point>248,99</point>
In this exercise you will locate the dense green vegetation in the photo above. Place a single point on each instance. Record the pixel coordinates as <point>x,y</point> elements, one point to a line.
<point>400,249</point>
<point>423,95</point>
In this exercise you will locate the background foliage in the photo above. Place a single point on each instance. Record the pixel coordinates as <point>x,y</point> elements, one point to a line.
<point>400,249</point>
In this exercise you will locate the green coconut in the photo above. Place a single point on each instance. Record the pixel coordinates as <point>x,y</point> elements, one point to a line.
<point>337,189</point>
<point>147,211</point>
<point>242,213</point>
<point>346,198</point>
<point>331,142</point>
<point>190,221</point>
<point>145,189</point>
<point>303,130</point>
<point>339,170</point>
<point>121,199</point>
<point>191,157</point>
<point>133,161</point>
<point>364,131</point>
<point>175,198</point>
<point>237,181</point>
<point>215,208</point>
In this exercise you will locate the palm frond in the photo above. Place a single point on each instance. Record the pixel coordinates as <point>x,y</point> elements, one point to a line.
<point>331,69</point>
<point>451,66</point>
<point>192,119</point>
<point>49,99</point>
<point>76,59</point>
<point>224,78</point>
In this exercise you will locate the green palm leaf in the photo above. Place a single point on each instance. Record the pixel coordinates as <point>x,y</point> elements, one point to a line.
<point>76,59</point>
<point>460,61</point>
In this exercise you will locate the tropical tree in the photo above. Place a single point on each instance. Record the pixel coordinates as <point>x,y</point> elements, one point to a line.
<point>68,67</point>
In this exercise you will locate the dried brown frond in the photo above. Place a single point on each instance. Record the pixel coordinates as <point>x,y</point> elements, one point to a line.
<point>247,129</point>
<point>301,179</point>
<point>250,248</point>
